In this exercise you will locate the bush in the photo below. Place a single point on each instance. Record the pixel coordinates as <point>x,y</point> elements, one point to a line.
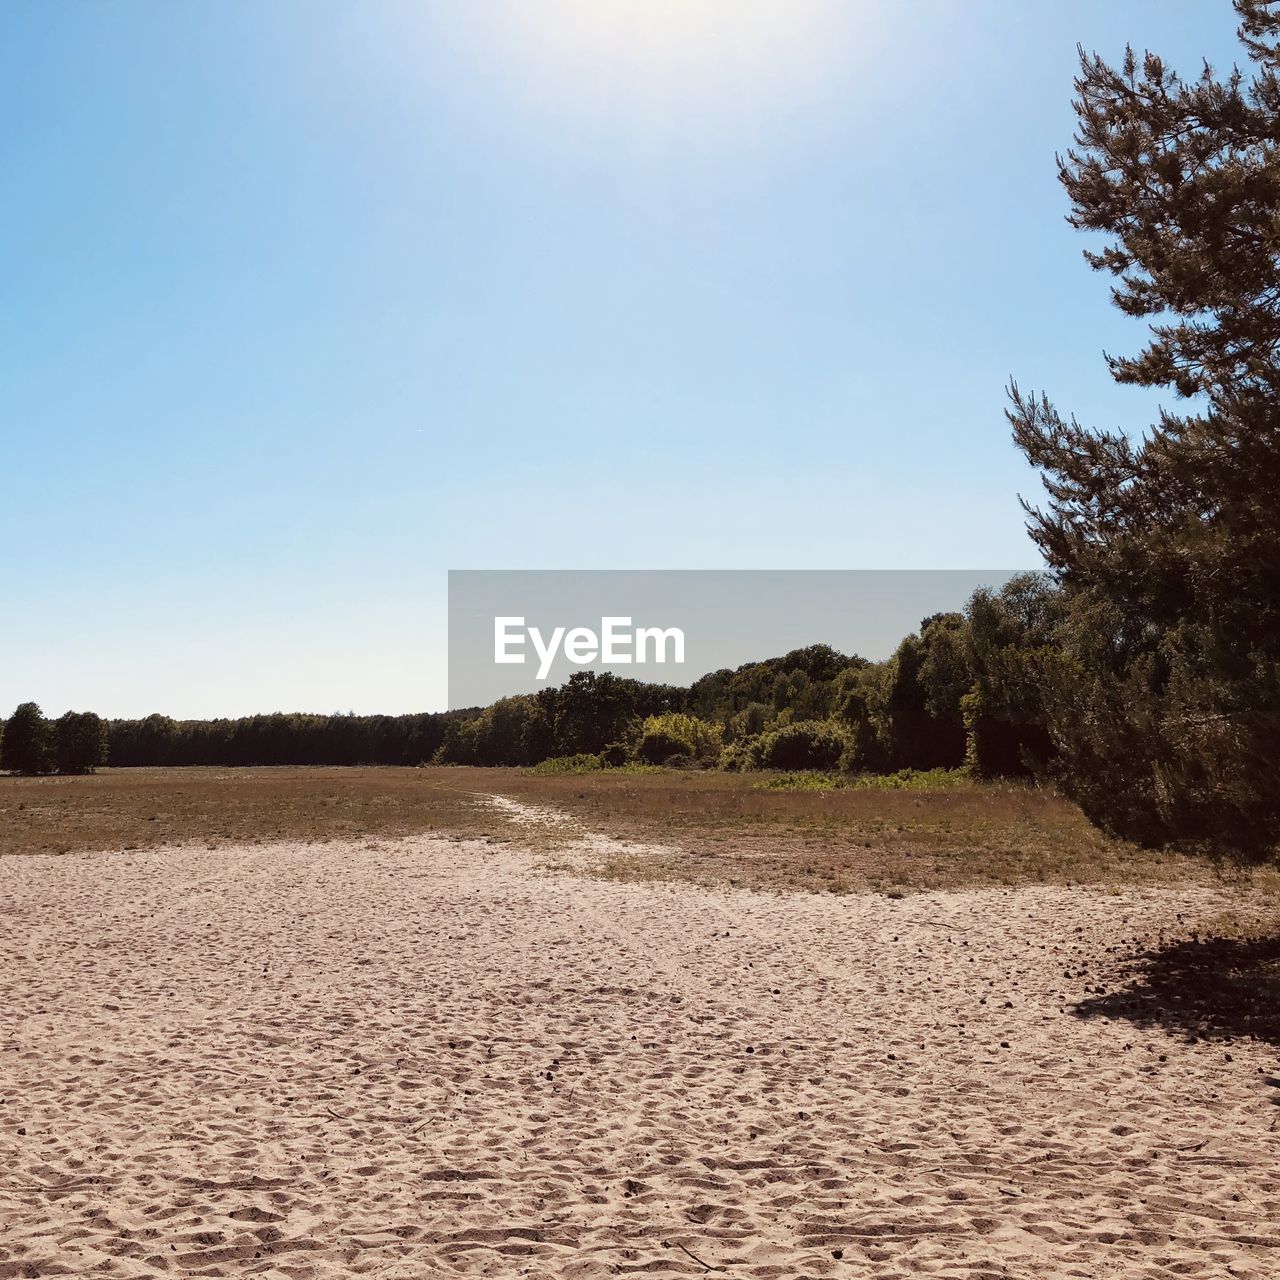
<point>803,782</point>
<point>675,736</point>
<point>615,755</point>
<point>657,746</point>
<point>27,742</point>
<point>915,780</point>
<point>902,780</point>
<point>740,756</point>
<point>805,744</point>
<point>583,762</point>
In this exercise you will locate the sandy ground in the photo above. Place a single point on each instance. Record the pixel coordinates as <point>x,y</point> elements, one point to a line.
<point>429,1058</point>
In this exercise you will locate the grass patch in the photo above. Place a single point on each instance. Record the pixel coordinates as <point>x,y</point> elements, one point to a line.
<point>558,766</point>
<point>938,831</point>
<point>706,827</point>
<point>143,808</point>
<point>575,766</point>
<point>902,780</point>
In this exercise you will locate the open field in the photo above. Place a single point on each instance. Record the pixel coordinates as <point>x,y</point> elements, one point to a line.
<point>711,828</point>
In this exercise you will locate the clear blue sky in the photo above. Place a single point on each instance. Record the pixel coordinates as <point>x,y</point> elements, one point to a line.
<point>303,303</point>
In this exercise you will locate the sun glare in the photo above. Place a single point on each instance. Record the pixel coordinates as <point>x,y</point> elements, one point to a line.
<point>654,61</point>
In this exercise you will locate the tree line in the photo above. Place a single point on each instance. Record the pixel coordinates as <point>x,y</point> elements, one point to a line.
<point>963,691</point>
<point>917,710</point>
<point>81,742</point>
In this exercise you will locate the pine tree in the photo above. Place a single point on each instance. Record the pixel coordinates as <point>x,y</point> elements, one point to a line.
<point>1166,701</point>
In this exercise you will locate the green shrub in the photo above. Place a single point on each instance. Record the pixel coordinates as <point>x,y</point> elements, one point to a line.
<point>675,736</point>
<point>740,756</point>
<point>583,762</point>
<point>803,782</point>
<point>657,746</point>
<point>804,744</point>
<point>914,780</point>
<point>902,780</point>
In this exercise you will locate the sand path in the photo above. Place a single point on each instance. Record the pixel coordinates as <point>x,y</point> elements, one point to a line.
<point>428,1058</point>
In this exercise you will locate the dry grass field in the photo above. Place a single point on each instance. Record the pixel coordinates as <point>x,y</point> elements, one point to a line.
<point>727,828</point>
<point>146,808</point>
<point>709,828</point>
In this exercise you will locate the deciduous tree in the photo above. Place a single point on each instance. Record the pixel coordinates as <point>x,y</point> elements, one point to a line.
<point>27,742</point>
<point>80,742</point>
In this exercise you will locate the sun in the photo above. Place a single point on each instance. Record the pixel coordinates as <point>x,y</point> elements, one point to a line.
<point>672,33</point>
<point>672,62</point>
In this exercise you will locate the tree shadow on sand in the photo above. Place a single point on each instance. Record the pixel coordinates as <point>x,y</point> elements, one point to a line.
<point>1207,988</point>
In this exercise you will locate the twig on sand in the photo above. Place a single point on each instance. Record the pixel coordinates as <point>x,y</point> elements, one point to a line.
<point>709,1266</point>
<point>380,1119</point>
